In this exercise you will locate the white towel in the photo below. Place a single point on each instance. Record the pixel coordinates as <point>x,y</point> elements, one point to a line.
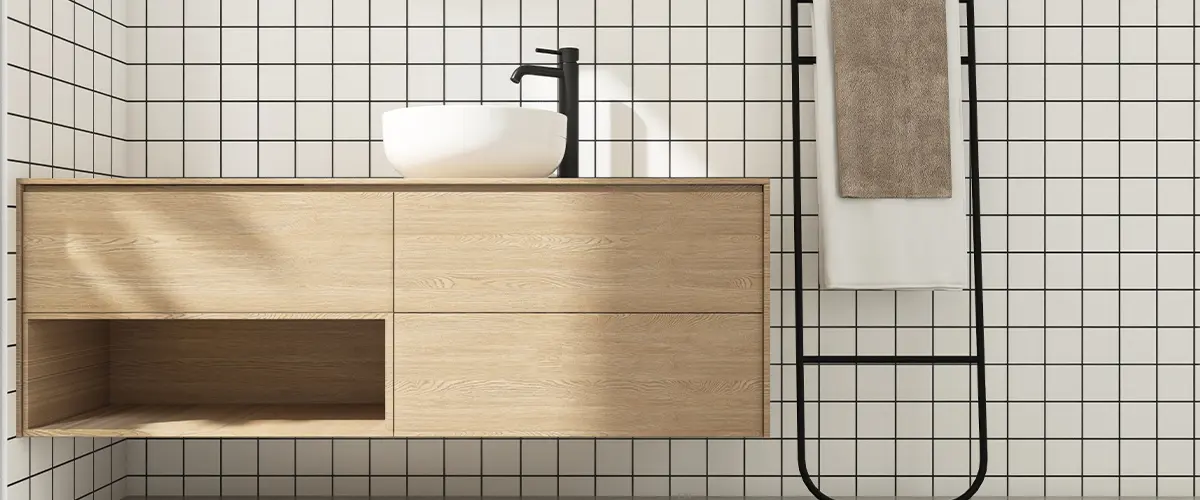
<point>889,244</point>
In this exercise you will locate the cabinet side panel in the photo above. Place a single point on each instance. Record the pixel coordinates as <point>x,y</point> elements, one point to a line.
<point>389,370</point>
<point>65,369</point>
<point>766,310</point>
<point>632,375</point>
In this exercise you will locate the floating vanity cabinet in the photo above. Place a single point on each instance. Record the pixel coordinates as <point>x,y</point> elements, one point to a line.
<point>378,308</point>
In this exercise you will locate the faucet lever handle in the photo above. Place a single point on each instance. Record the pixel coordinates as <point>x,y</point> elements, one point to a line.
<point>548,51</point>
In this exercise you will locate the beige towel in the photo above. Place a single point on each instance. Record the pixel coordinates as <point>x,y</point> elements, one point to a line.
<point>890,97</point>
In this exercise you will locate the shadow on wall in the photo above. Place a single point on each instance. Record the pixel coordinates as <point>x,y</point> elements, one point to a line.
<point>635,139</point>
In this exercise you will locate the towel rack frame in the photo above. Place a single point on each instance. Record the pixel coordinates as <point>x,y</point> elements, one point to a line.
<point>976,359</point>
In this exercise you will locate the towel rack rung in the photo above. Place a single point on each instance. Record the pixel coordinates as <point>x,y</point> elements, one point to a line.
<point>813,60</point>
<point>890,360</point>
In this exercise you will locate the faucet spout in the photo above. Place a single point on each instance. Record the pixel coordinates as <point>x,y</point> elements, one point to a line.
<point>529,69</point>
<point>567,74</point>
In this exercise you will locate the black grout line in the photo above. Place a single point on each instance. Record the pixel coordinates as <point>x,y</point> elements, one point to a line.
<point>52,135</point>
<point>1082,265</point>
<point>55,36</point>
<point>258,100</point>
<point>183,147</point>
<point>633,163</point>
<point>1007,260</point>
<point>451,63</point>
<point>732,476</point>
<point>731,101</point>
<point>1156,257</point>
<point>771,27</point>
<point>1045,264</point>
<point>807,60</point>
<point>1195,109</point>
<point>1120,483</point>
<point>53,466</point>
<point>296,95</point>
<point>370,111</point>
<point>333,107</point>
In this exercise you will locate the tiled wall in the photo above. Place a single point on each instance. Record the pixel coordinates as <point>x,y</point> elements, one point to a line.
<point>1087,119</point>
<point>295,88</point>
<point>64,99</point>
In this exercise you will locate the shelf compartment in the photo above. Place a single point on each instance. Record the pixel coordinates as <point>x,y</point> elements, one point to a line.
<point>293,375</point>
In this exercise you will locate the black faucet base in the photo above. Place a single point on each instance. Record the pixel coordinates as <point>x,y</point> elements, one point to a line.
<point>567,74</point>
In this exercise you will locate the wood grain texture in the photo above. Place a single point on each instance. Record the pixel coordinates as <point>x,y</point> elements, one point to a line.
<point>63,368</point>
<point>207,249</point>
<point>165,375</point>
<point>401,183</point>
<point>389,379</point>
<point>634,249</point>
<point>224,421</point>
<point>766,310</point>
<point>242,362</point>
<point>21,370</point>
<point>638,375</point>
<point>231,316</point>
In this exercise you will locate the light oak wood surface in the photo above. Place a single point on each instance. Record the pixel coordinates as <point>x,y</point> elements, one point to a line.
<point>597,249</point>
<point>180,249</point>
<point>207,362</point>
<point>207,374</point>
<point>766,306</point>
<point>398,183</point>
<point>637,375</point>
<point>223,421</point>
<point>64,370</point>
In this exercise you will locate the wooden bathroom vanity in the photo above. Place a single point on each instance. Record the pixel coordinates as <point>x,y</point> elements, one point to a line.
<point>373,308</point>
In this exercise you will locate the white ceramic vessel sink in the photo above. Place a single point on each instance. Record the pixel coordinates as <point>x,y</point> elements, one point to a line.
<point>474,141</point>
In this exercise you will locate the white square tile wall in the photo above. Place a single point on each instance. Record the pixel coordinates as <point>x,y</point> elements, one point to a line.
<point>66,99</point>
<point>1087,118</point>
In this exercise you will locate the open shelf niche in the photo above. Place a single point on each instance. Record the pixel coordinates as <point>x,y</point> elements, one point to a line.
<point>211,375</point>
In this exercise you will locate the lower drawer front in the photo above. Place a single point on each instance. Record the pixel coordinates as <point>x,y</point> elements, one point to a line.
<point>615,375</point>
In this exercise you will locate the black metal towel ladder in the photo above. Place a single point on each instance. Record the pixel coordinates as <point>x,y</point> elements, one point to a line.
<point>976,359</point>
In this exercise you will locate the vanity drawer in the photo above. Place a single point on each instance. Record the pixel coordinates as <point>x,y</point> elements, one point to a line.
<point>604,375</point>
<point>201,249</point>
<point>578,248</point>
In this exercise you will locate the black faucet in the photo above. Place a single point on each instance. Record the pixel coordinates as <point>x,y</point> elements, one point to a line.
<point>567,74</point>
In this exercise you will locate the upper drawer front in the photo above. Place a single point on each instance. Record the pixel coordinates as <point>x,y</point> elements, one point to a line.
<point>195,249</point>
<point>687,249</point>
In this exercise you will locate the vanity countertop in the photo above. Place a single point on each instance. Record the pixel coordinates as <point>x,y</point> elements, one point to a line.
<point>385,181</point>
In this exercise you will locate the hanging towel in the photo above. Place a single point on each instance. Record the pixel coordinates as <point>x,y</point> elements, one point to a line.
<point>890,88</point>
<point>889,243</point>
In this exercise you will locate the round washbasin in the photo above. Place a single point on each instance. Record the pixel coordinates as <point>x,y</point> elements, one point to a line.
<point>474,141</point>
